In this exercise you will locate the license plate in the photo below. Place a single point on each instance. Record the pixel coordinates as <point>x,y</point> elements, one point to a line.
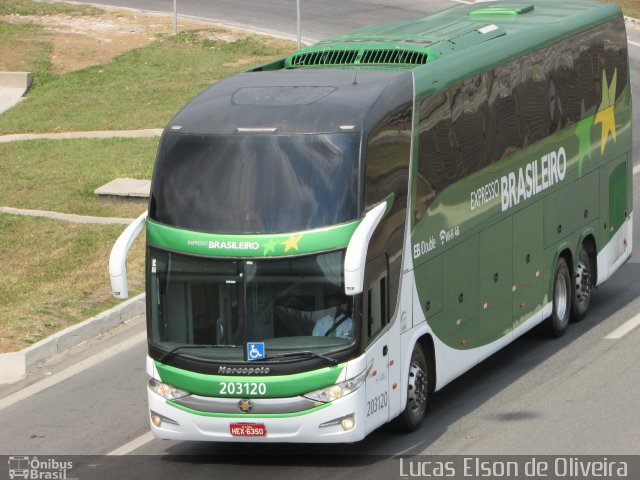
<point>248,430</point>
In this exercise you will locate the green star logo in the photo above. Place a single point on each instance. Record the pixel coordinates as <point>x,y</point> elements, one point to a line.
<point>270,247</point>
<point>606,114</point>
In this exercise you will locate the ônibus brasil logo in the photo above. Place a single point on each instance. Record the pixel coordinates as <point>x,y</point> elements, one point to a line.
<point>38,469</point>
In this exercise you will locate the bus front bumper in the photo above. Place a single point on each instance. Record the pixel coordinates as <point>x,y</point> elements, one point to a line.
<point>323,425</point>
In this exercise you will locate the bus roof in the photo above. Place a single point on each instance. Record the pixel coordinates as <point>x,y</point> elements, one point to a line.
<point>278,102</point>
<point>438,50</point>
<point>483,29</point>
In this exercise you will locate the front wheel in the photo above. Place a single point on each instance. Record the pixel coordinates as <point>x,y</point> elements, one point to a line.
<point>556,324</point>
<point>417,391</point>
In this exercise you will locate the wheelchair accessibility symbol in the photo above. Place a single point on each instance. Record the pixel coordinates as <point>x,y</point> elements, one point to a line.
<point>255,350</point>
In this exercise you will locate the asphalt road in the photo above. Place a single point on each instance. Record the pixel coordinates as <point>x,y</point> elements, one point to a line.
<point>576,395</point>
<point>319,19</point>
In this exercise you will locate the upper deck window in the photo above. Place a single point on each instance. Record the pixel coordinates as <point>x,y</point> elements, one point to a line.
<point>256,183</point>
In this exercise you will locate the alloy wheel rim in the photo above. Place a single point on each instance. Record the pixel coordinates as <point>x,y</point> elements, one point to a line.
<point>583,284</point>
<point>561,297</point>
<point>417,392</point>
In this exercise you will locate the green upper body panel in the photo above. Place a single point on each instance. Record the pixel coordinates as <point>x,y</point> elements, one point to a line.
<point>463,39</point>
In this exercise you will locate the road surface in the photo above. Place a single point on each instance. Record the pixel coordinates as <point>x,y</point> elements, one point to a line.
<point>579,394</point>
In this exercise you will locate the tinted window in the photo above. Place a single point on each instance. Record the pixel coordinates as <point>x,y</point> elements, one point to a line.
<point>376,304</point>
<point>469,114</point>
<point>439,157</point>
<point>533,96</point>
<point>507,136</point>
<point>255,183</point>
<point>615,53</point>
<point>588,57</point>
<point>564,88</point>
<point>388,153</point>
<point>490,116</point>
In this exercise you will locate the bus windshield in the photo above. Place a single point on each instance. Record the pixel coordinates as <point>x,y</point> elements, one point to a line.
<point>290,304</point>
<point>255,183</point>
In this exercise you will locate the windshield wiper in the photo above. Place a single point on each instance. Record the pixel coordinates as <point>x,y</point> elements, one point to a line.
<point>172,352</point>
<point>307,353</point>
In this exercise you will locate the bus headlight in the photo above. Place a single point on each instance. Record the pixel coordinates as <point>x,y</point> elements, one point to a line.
<point>339,390</point>
<point>166,391</point>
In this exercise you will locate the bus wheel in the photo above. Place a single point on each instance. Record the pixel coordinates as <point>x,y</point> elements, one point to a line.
<point>582,286</point>
<point>417,391</point>
<point>562,292</point>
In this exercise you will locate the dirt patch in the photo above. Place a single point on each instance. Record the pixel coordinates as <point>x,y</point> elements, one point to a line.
<point>81,41</point>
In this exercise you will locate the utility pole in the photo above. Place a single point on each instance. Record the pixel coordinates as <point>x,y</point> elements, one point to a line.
<point>175,17</point>
<point>298,15</point>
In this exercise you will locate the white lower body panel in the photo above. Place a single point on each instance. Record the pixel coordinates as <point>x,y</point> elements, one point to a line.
<point>617,251</point>
<point>299,429</point>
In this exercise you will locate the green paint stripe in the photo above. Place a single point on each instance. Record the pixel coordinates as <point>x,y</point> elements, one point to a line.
<point>498,12</point>
<point>268,245</point>
<point>278,386</point>
<point>247,415</point>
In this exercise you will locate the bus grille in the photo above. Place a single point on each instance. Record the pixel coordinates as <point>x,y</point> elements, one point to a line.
<point>393,56</point>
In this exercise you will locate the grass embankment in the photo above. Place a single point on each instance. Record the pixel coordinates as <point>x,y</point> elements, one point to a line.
<point>54,274</point>
<point>61,175</point>
<point>142,88</point>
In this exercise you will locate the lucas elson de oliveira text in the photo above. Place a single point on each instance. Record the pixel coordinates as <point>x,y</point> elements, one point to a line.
<point>475,467</point>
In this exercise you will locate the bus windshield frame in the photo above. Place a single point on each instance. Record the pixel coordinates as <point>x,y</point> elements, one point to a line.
<point>292,304</point>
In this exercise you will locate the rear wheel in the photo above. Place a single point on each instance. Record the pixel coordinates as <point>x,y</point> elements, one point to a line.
<point>417,391</point>
<point>582,285</point>
<point>557,323</point>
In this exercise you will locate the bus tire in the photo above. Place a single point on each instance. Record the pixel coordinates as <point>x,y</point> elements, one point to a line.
<point>417,391</point>
<point>581,286</point>
<point>557,323</point>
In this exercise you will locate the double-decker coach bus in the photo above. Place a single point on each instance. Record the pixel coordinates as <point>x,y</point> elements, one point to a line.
<point>336,235</point>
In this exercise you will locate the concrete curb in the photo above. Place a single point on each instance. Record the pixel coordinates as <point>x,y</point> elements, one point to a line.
<point>14,366</point>
<point>13,87</point>
<point>67,217</point>
<point>144,133</point>
<point>21,80</point>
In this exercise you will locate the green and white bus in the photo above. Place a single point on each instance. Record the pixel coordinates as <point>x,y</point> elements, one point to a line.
<point>336,235</point>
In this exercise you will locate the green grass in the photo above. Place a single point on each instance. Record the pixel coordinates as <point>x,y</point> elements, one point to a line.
<point>24,49</point>
<point>54,274</point>
<point>142,88</point>
<point>61,175</point>
<point>28,7</point>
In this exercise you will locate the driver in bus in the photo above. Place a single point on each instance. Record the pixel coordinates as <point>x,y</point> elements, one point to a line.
<point>338,324</point>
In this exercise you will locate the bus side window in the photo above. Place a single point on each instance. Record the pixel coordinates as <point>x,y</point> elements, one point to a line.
<point>504,116</point>
<point>589,62</point>
<point>566,103</point>
<point>376,300</point>
<point>615,53</point>
<point>376,307</point>
<point>388,153</point>
<point>469,113</point>
<point>533,93</point>
<point>438,156</point>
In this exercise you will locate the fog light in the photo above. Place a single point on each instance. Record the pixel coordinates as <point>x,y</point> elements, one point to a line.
<point>348,423</point>
<point>158,419</point>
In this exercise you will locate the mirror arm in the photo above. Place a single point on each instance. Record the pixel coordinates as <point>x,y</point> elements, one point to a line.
<point>118,257</point>
<point>356,256</point>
